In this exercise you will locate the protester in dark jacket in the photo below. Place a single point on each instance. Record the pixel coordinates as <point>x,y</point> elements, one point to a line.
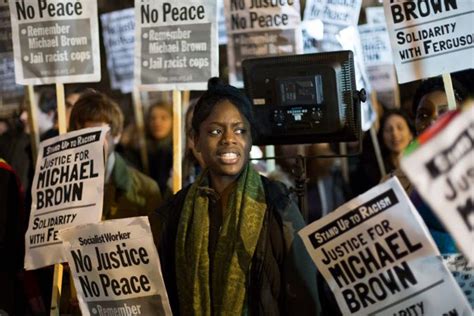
<point>228,243</point>
<point>20,292</point>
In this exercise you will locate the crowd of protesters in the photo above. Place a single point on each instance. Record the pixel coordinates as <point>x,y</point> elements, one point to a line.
<point>275,274</point>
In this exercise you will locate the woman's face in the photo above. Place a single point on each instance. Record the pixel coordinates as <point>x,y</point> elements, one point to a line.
<point>160,123</point>
<point>431,106</point>
<point>224,141</point>
<point>396,133</point>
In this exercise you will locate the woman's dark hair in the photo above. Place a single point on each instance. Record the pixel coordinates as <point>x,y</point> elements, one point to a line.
<point>436,84</point>
<point>387,113</point>
<point>217,92</point>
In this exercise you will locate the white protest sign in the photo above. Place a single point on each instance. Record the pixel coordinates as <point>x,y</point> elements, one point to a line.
<point>67,190</point>
<point>261,29</point>
<point>349,40</point>
<point>429,38</point>
<point>11,94</point>
<point>335,16</point>
<point>176,44</point>
<point>375,15</point>
<point>378,258</point>
<point>442,170</point>
<point>55,41</point>
<point>378,61</point>
<point>375,44</point>
<point>383,80</point>
<point>116,268</point>
<point>118,31</point>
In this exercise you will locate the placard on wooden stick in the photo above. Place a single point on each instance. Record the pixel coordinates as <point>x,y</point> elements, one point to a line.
<point>250,36</point>
<point>430,39</point>
<point>55,43</point>
<point>175,52</point>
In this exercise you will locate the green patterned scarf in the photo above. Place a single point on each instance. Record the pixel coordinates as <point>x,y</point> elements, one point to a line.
<point>234,251</point>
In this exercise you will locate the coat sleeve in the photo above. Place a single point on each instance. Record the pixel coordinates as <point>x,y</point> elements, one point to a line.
<point>299,271</point>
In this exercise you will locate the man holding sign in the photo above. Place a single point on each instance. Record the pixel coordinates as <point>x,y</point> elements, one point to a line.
<point>127,192</point>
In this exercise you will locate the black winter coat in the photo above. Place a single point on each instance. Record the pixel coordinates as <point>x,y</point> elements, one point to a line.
<point>282,277</point>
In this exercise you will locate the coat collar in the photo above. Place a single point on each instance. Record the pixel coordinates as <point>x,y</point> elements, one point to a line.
<point>120,174</point>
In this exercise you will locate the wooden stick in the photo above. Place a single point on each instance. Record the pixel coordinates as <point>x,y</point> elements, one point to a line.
<point>177,149</point>
<point>33,121</point>
<point>448,87</point>
<point>373,134</point>
<point>61,101</point>
<point>138,110</point>
<point>57,286</point>
<point>396,92</point>
<point>58,268</point>
<point>72,287</point>
<point>378,153</point>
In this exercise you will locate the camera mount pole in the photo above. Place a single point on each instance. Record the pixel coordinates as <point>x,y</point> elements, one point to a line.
<point>299,172</point>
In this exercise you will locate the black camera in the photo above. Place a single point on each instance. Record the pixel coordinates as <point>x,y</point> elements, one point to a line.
<point>303,99</point>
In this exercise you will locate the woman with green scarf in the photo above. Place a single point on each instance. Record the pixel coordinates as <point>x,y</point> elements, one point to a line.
<point>228,243</point>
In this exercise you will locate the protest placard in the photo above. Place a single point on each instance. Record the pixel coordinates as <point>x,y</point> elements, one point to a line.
<point>176,44</point>
<point>379,62</point>
<point>118,31</point>
<point>429,38</point>
<point>11,94</point>
<point>442,170</point>
<point>67,190</point>
<point>375,15</point>
<point>116,268</point>
<point>261,28</point>
<point>378,258</point>
<point>55,41</point>
<point>335,16</point>
<point>376,44</point>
